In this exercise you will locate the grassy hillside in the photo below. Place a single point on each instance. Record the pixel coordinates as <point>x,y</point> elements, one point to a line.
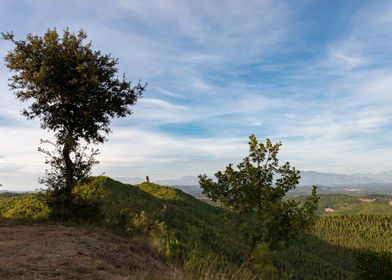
<point>193,234</point>
<point>184,230</point>
<point>154,210</point>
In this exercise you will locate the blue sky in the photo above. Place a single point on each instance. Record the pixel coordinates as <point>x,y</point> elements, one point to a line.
<point>316,75</point>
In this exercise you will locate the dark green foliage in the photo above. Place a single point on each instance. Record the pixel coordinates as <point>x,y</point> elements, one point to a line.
<point>267,264</point>
<point>304,265</point>
<point>373,266</point>
<point>329,252</point>
<point>254,193</point>
<point>74,91</point>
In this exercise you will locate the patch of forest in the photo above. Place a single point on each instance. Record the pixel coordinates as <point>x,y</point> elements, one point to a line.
<point>329,253</point>
<point>343,204</point>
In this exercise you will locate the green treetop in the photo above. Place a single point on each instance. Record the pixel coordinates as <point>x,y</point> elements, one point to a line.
<point>254,192</point>
<point>72,89</point>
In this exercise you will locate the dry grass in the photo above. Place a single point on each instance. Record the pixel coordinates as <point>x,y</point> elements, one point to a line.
<point>59,252</point>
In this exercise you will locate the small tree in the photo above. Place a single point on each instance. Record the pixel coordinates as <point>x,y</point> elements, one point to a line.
<point>73,90</point>
<point>255,194</point>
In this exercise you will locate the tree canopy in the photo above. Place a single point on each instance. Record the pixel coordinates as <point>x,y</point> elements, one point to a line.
<point>72,89</point>
<point>255,193</point>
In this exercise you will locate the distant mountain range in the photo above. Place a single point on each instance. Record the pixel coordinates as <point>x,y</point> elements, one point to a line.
<point>182,181</point>
<point>307,178</point>
<point>328,179</point>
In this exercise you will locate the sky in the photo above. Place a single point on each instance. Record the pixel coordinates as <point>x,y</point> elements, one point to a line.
<point>316,75</point>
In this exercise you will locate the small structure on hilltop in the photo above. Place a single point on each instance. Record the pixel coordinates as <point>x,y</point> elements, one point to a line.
<point>147,179</point>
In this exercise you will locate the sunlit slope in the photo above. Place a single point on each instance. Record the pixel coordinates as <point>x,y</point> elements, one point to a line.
<point>26,207</point>
<point>170,204</point>
<point>177,223</point>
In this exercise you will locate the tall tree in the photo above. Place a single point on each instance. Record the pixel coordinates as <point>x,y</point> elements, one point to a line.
<point>72,89</point>
<point>255,195</point>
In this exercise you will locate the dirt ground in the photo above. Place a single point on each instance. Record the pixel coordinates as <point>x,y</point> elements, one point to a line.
<point>59,252</point>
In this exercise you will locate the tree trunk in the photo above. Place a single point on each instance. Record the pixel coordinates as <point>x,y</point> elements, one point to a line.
<point>249,259</point>
<point>69,174</point>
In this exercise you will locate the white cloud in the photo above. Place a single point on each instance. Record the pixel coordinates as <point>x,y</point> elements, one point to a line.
<point>220,24</point>
<point>289,116</point>
<point>330,111</point>
<point>347,61</point>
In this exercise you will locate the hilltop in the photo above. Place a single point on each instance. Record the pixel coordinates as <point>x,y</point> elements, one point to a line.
<point>181,229</point>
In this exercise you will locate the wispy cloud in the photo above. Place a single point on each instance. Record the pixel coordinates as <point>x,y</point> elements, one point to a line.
<point>316,77</point>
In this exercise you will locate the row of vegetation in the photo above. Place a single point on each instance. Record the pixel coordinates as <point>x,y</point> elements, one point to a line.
<point>336,245</point>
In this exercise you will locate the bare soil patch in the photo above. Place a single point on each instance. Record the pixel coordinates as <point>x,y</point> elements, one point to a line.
<point>60,252</point>
<point>329,210</point>
<point>367,200</point>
